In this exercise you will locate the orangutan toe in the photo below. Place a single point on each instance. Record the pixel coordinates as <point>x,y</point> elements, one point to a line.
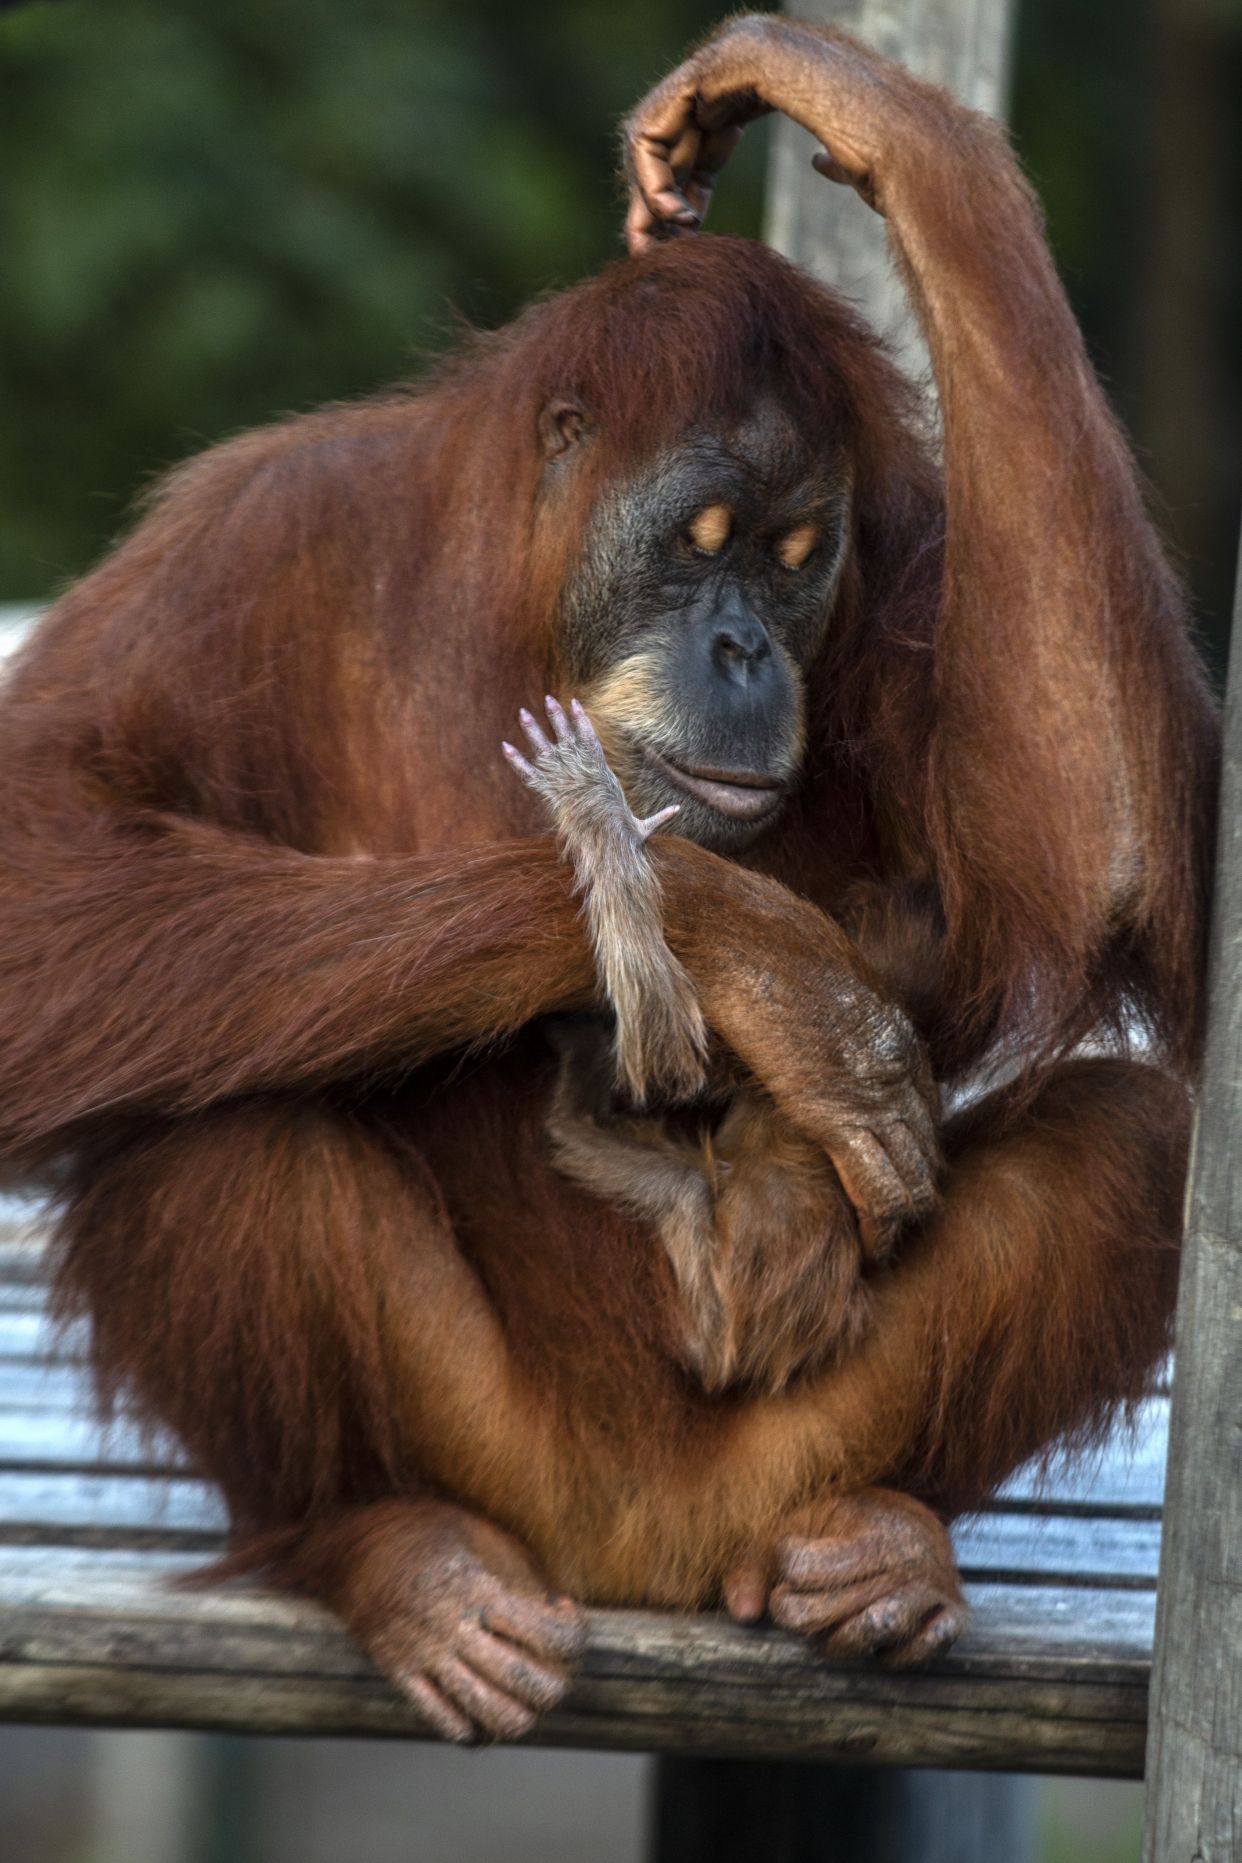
<point>874,1576</point>
<point>456,1614</point>
<point>474,1682</point>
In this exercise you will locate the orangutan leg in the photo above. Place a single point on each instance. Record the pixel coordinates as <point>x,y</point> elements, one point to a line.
<point>1035,1302</point>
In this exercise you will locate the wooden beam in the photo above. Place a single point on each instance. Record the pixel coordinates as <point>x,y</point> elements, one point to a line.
<point>1046,1680</point>
<point>1194,1794</point>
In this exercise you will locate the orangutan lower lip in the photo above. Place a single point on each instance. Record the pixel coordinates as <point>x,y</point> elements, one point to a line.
<point>739,793</point>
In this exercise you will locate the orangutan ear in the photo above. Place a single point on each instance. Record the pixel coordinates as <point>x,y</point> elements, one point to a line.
<point>562,425</point>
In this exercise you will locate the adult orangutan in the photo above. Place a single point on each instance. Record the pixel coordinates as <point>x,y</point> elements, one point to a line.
<point>281,936</point>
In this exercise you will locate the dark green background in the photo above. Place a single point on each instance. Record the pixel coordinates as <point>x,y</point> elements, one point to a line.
<point>213,213</point>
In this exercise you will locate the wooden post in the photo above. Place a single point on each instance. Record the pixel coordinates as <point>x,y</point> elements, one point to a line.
<point>773,1811</point>
<point>1194,1742</point>
<point>715,1811</point>
<point>962,44</point>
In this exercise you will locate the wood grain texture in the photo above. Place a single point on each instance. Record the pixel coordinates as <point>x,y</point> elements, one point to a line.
<point>77,1504</point>
<point>1194,1803</point>
<point>1043,1681</point>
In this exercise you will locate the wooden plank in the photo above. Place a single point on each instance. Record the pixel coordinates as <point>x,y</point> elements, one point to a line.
<point>34,1384</point>
<point>23,1296</point>
<point>45,1420</point>
<point>89,1508</point>
<point>30,1335</point>
<point>1126,1474</point>
<point>64,1438</point>
<point>1062,1550</point>
<point>48,1425</point>
<point>1061,1686</point>
<point>1194,1802</point>
<point>95,1506</point>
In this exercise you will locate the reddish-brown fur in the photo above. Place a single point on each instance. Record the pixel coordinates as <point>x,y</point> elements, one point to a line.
<point>271,902</point>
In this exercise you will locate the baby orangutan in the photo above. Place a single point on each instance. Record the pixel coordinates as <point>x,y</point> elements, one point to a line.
<point>759,1234</point>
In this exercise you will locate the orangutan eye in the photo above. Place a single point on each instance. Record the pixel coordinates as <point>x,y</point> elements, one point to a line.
<point>793,549</point>
<point>711,529</point>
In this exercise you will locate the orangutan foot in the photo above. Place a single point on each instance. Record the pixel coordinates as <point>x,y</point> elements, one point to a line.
<point>454,1611</point>
<point>865,1575</point>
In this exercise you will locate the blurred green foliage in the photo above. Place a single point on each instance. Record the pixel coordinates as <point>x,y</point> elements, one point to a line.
<point>213,213</point>
<point>216,211</point>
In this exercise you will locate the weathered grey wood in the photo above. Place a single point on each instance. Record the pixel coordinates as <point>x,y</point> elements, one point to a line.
<point>962,44</point>
<point>101,1639</point>
<point>29,1335</point>
<point>51,1506</point>
<point>92,1505</point>
<point>48,1425</point>
<point>33,1384</point>
<point>1194,1799</point>
<point>67,1436</point>
<point>23,1294</point>
<point>1059,1549</point>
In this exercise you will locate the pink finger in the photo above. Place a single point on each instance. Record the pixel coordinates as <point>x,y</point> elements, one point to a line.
<point>518,761</point>
<point>535,736</point>
<point>515,1672</point>
<point>434,1707</point>
<point>558,720</point>
<point>491,1709</point>
<point>648,827</point>
<point>551,1631</point>
<point>585,728</point>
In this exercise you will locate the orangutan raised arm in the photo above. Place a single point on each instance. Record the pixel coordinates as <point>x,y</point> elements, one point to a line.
<point>1073,736</point>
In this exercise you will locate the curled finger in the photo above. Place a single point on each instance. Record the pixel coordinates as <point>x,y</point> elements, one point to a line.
<point>817,1613</point>
<point>697,176</point>
<point>939,1632</point>
<point>822,1564</point>
<point>649,160</point>
<point>874,1186</point>
<point>921,1109</point>
<point>887,1624</point>
<point>435,1707</point>
<point>490,1709</point>
<point>556,1630</point>
<point>915,1168</point>
<point>514,1670</point>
